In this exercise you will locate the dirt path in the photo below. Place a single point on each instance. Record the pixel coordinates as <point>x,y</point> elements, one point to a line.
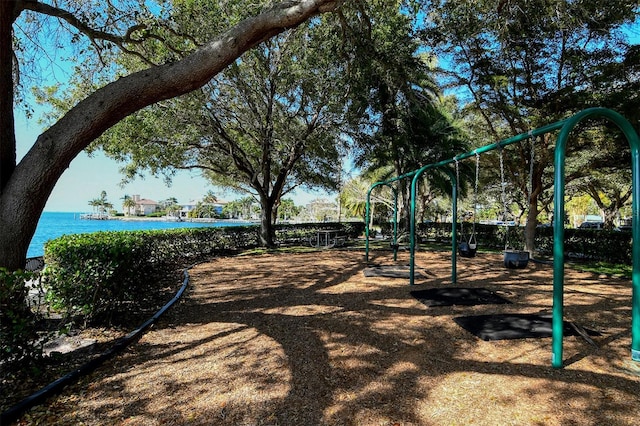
<point>307,339</point>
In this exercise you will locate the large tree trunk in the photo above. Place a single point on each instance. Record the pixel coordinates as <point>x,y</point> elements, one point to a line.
<point>7,131</point>
<point>530,227</point>
<point>15,232</point>
<point>532,212</point>
<point>26,188</point>
<point>266,222</point>
<point>609,215</point>
<point>405,212</point>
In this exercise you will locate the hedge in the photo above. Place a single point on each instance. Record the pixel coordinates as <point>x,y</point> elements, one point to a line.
<point>96,276</point>
<point>579,244</point>
<point>18,325</point>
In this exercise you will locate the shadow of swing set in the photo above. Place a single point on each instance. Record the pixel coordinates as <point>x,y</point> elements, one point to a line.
<point>519,259</point>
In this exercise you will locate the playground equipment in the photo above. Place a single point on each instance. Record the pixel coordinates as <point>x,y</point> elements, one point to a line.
<point>412,243</point>
<point>565,127</point>
<point>469,246</point>
<point>394,239</point>
<point>513,259</point>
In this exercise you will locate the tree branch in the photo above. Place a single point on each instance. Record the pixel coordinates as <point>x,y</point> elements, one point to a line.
<point>30,183</point>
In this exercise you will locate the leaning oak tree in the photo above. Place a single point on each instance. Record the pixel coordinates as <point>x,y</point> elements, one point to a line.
<point>26,185</point>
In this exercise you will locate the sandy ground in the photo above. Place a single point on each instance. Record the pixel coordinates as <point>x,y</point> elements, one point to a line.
<point>307,339</point>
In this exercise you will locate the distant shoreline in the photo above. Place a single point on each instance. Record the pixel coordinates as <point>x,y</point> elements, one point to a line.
<point>52,225</point>
<point>164,219</point>
<point>78,216</point>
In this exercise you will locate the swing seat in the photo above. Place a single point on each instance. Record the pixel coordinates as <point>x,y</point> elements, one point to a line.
<point>467,250</point>
<point>516,259</point>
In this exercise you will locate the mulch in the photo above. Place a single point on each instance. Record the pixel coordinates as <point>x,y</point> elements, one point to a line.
<point>307,338</point>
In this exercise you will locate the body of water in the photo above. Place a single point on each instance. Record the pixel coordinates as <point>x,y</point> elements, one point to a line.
<point>55,224</point>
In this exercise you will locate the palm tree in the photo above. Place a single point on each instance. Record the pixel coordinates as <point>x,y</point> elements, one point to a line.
<point>128,204</point>
<point>101,205</point>
<point>102,202</point>
<point>172,209</point>
<point>210,198</point>
<point>354,197</point>
<point>95,203</point>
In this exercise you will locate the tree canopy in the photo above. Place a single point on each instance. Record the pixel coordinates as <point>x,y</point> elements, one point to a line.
<point>265,125</point>
<point>515,64</point>
<point>26,185</point>
<point>518,65</point>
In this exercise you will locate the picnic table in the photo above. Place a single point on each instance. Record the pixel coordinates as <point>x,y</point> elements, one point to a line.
<point>326,238</point>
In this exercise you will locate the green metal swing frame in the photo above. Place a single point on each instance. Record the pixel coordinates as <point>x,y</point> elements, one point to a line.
<point>565,127</point>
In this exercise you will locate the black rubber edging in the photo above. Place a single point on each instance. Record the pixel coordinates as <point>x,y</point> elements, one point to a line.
<point>56,386</point>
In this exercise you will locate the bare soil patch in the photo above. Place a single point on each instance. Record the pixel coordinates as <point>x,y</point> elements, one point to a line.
<point>307,339</point>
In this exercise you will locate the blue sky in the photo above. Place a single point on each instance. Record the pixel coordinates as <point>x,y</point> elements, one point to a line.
<point>87,177</point>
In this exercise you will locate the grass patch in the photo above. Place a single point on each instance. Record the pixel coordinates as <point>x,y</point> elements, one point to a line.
<point>610,269</point>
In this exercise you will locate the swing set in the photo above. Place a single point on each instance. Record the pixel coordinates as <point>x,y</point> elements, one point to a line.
<point>516,258</point>
<point>467,247</point>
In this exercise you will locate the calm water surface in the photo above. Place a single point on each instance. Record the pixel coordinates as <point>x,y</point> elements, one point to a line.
<point>55,224</point>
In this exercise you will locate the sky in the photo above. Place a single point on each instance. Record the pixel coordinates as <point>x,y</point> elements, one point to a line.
<point>87,177</point>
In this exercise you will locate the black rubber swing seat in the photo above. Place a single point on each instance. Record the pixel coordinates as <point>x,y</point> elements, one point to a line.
<point>516,259</point>
<point>467,250</point>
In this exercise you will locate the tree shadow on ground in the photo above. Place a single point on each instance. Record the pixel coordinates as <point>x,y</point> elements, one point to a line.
<point>306,339</point>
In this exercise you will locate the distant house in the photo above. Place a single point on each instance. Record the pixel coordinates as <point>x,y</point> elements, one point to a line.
<point>194,204</point>
<point>144,206</point>
<point>186,208</point>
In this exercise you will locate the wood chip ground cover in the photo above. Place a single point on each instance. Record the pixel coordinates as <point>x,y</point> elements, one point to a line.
<point>307,339</point>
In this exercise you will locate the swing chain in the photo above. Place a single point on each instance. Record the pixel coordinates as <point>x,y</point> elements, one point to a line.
<point>531,163</point>
<point>475,193</point>
<point>503,185</point>
<point>458,196</point>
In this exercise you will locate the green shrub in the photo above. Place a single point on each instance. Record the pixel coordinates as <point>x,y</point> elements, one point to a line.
<point>595,244</point>
<point>96,275</point>
<point>18,332</point>
<point>579,244</point>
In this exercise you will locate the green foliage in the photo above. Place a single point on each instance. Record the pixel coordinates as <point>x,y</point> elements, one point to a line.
<point>204,210</point>
<point>157,214</point>
<point>97,275</point>
<point>580,244</point>
<point>101,205</point>
<point>599,245</point>
<point>239,209</point>
<point>94,277</point>
<point>489,237</point>
<point>263,126</point>
<point>287,209</point>
<point>300,233</point>
<point>18,334</point>
<point>588,245</point>
<point>520,65</point>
